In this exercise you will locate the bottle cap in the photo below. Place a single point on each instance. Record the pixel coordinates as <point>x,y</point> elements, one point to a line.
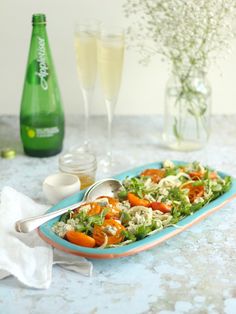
<point>8,153</point>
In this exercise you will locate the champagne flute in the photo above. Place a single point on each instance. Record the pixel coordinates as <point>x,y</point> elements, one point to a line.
<point>110,49</point>
<point>86,55</point>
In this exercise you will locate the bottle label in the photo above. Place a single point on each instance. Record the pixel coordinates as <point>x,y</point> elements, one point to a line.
<point>40,132</point>
<point>42,72</point>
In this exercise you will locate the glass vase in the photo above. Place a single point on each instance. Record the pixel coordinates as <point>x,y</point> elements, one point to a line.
<point>187,112</point>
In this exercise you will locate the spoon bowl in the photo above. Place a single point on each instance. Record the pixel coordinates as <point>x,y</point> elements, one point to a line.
<point>106,187</point>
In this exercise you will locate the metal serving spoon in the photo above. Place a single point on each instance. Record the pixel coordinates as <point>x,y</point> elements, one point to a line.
<point>106,187</point>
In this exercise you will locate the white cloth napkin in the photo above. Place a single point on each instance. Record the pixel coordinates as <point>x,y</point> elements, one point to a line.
<point>27,256</point>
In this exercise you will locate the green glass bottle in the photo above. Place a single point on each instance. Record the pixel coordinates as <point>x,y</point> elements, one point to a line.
<point>41,115</point>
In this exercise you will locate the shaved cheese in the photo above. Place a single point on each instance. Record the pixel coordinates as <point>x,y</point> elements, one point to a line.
<point>168,164</point>
<point>110,230</point>
<point>85,208</point>
<point>102,201</point>
<point>169,182</point>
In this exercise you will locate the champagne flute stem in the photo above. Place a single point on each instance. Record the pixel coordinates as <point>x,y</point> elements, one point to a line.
<point>110,107</point>
<point>87,98</point>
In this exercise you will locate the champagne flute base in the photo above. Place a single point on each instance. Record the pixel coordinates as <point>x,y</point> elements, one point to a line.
<point>107,164</point>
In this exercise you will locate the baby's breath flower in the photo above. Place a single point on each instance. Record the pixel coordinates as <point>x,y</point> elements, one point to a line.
<point>187,32</point>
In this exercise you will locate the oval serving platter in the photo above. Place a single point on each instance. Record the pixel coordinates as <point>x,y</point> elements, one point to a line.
<point>46,233</point>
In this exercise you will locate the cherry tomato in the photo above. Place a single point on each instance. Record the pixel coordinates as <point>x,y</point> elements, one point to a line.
<point>196,175</point>
<point>161,207</point>
<point>95,209</point>
<point>111,200</point>
<point>111,229</point>
<point>136,201</point>
<point>155,174</point>
<point>194,191</point>
<point>113,211</point>
<point>80,238</point>
<point>213,175</point>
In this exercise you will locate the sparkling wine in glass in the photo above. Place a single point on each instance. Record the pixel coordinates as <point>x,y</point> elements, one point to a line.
<point>86,56</point>
<point>110,51</point>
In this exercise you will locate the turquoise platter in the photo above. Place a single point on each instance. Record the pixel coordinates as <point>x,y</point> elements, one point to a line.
<point>46,233</point>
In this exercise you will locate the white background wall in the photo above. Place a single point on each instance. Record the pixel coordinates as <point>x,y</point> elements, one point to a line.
<point>142,90</point>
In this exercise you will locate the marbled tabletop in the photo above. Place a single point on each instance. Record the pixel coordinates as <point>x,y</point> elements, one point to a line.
<point>195,272</point>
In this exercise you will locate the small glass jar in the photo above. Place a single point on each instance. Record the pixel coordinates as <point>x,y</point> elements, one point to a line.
<point>80,163</point>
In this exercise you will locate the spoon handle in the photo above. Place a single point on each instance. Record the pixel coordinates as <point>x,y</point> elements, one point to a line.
<point>29,224</point>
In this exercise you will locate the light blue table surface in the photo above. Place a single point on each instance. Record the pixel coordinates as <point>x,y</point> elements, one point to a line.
<point>194,272</point>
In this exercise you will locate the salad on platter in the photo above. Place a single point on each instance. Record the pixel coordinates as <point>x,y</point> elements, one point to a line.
<point>147,203</point>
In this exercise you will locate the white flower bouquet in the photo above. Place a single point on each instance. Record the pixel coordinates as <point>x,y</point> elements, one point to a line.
<point>189,34</point>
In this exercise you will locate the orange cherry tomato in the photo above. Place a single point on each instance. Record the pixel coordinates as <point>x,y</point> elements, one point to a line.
<point>111,200</point>
<point>113,212</point>
<point>213,175</point>
<point>95,209</point>
<point>80,238</point>
<point>196,175</point>
<point>194,191</point>
<point>136,201</point>
<point>111,229</point>
<point>161,207</point>
<point>155,174</point>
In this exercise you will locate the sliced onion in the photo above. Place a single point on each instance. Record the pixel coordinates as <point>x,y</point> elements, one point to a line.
<point>104,243</point>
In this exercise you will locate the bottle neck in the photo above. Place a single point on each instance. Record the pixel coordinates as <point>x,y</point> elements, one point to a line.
<point>39,29</point>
